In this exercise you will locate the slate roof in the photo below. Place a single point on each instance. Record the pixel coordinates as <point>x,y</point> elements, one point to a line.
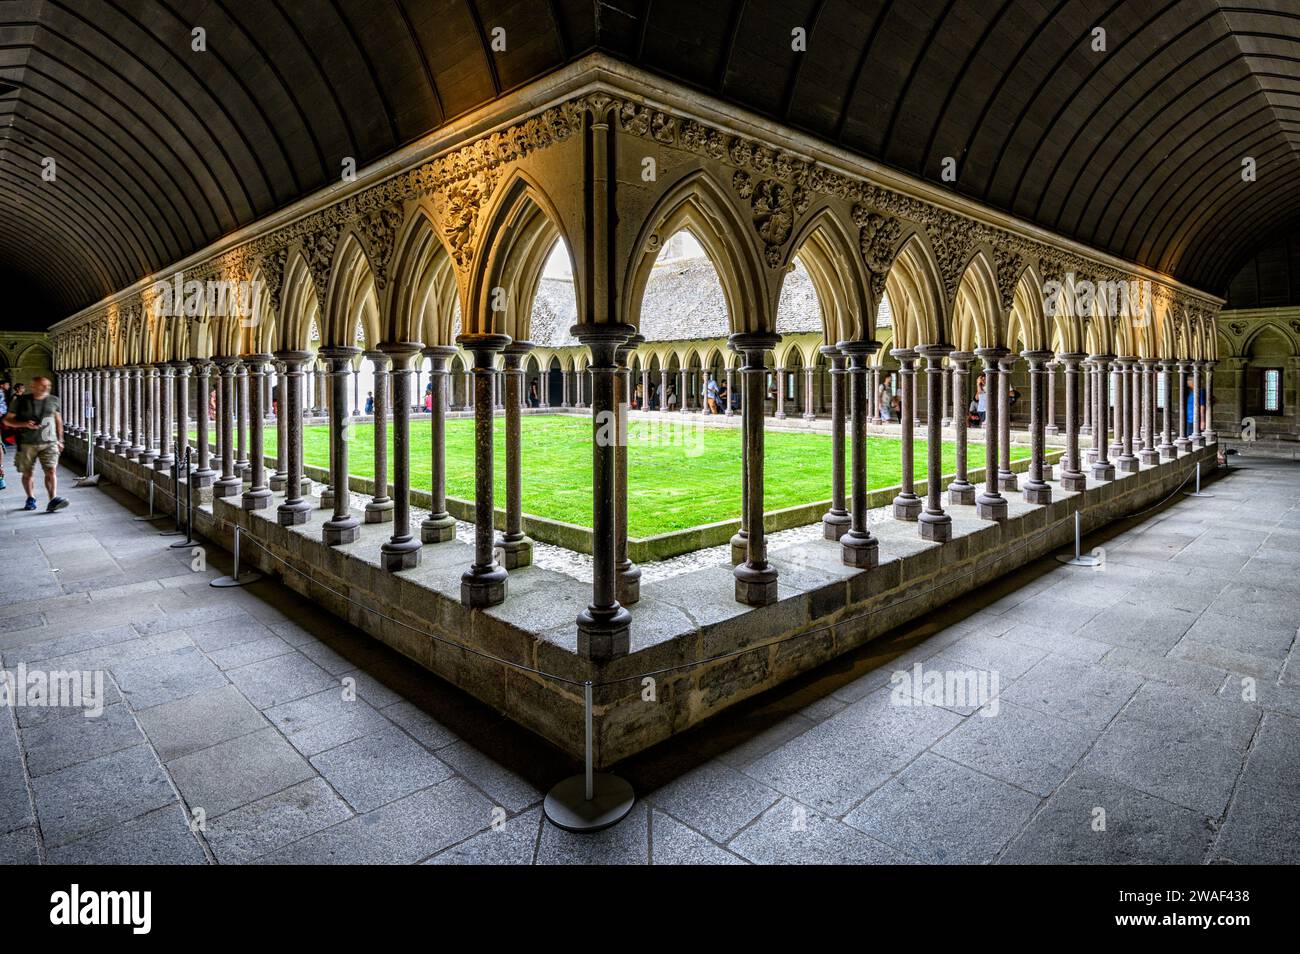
<point>683,302</point>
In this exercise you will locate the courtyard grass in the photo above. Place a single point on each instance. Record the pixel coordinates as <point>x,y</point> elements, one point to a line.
<point>679,476</point>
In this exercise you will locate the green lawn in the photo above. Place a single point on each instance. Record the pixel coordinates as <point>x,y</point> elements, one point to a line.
<point>684,478</point>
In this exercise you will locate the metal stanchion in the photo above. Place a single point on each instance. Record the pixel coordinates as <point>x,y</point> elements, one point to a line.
<point>236,578</point>
<point>150,515</point>
<point>176,496</point>
<point>189,507</point>
<point>1197,491</point>
<point>593,800</point>
<point>1080,558</point>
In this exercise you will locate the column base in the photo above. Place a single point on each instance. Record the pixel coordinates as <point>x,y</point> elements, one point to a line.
<point>1198,441</point>
<point>935,527</point>
<point>1167,451</point>
<point>861,551</point>
<point>200,479</point>
<point>379,511</point>
<point>1115,451</point>
<point>1074,483</point>
<point>1037,493</point>
<point>292,515</point>
<point>961,492</point>
<point>989,507</point>
<point>739,548</point>
<point>399,556</point>
<point>604,634</point>
<point>163,464</point>
<point>335,533</point>
<point>227,488</point>
<point>907,506</point>
<point>438,528</point>
<point>835,525</point>
<point>255,499</point>
<point>810,417</point>
<point>1148,457</point>
<point>627,584</point>
<point>779,415</point>
<point>278,482</point>
<point>483,588</point>
<point>1008,480</point>
<point>945,422</point>
<point>1183,445</point>
<point>327,499</point>
<point>755,586</point>
<point>1086,430</point>
<point>1126,464</point>
<point>134,452</point>
<point>729,413</point>
<point>1047,471</point>
<point>515,553</point>
<point>1051,429</point>
<point>1091,455</point>
<point>1211,437</point>
<point>1102,471</point>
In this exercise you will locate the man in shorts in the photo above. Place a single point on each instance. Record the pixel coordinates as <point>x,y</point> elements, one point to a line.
<point>38,419</point>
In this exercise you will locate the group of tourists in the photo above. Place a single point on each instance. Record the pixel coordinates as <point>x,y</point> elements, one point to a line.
<point>31,421</point>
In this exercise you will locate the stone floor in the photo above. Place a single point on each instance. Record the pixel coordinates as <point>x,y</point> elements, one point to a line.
<point>1145,711</point>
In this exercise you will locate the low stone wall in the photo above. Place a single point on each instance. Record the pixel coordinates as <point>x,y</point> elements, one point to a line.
<point>708,651</point>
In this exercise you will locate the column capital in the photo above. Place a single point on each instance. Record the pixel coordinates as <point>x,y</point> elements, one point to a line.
<point>401,352</point>
<point>1126,360</point>
<point>258,359</point>
<point>934,353</point>
<point>1148,362</point>
<point>627,347</point>
<point>226,363</point>
<point>293,360</point>
<point>904,356</point>
<point>1071,358</point>
<point>339,356</point>
<point>603,340</point>
<point>517,348</point>
<point>483,347</point>
<point>1036,358</point>
<point>375,354</point>
<point>858,348</point>
<point>753,341</point>
<point>991,356</point>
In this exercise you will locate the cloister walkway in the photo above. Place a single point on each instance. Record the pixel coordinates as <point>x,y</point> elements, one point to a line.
<point>1163,689</point>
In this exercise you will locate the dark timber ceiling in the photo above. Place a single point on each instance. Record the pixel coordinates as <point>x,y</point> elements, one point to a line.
<point>161,150</point>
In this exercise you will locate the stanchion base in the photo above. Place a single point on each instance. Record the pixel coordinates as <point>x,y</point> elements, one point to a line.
<point>1195,493</point>
<point>567,807</point>
<point>170,533</point>
<point>151,516</point>
<point>248,576</point>
<point>183,544</point>
<point>1083,559</point>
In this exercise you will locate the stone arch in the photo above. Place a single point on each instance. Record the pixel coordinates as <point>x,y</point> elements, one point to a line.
<point>351,283</point>
<point>1026,321</point>
<point>299,307</point>
<point>834,265</point>
<point>522,227</point>
<point>915,294</point>
<point>976,306</point>
<point>698,205</point>
<point>423,292</point>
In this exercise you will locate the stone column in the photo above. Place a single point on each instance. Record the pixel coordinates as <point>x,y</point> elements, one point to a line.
<point>961,490</point>
<point>645,389</point>
<point>916,404</point>
<point>1102,468</point>
<point>934,524</point>
<point>1086,427</point>
<point>603,627</point>
<point>379,508</point>
<point>1072,478</point>
<point>858,548</point>
<point>1166,449</point>
<point>1006,476</point>
<point>484,583</point>
<point>1198,415</point>
<point>946,399</point>
<point>342,527</point>
<point>258,494</point>
<point>755,578</point>
<point>836,521</point>
<point>184,371</point>
<point>1148,454</point>
<point>281,475</point>
<point>150,453</point>
<point>1051,427</point>
<point>1037,490</point>
<point>1210,436</point>
<point>1184,443</point>
<point>780,394</point>
<point>439,526</point>
<point>230,482</point>
<point>242,423</point>
<point>295,508</point>
<point>166,417</point>
<point>809,410</point>
<point>402,551</point>
<point>627,575</point>
<point>663,390</point>
<point>1127,462</point>
<point>991,505</point>
<point>682,395</point>
<point>1116,410</point>
<point>204,475</point>
<point>907,505</point>
<point>119,441</point>
<point>137,413</point>
<point>730,385</point>
<point>515,547</point>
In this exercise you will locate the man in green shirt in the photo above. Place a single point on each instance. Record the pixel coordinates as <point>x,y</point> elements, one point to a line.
<point>38,418</point>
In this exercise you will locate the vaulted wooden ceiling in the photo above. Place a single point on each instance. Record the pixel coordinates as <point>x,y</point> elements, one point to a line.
<point>160,150</point>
